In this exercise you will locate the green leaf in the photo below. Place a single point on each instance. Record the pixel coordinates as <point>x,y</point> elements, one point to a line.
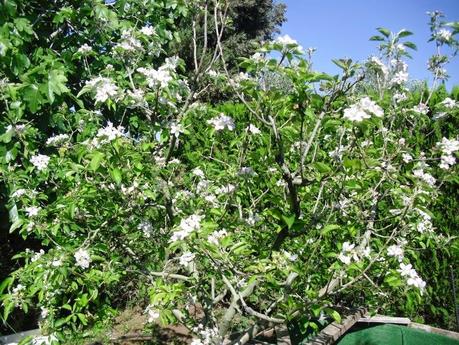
<point>329,227</point>
<point>96,160</point>
<point>377,38</point>
<point>116,175</point>
<point>410,45</point>
<point>334,314</point>
<point>56,84</point>
<point>384,31</point>
<point>5,283</point>
<point>33,97</point>
<point>404,33</point>
<point>289,220</point>
<point>322,167</point>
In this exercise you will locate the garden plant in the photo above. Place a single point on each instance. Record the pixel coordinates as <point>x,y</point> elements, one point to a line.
<point>292,196</point>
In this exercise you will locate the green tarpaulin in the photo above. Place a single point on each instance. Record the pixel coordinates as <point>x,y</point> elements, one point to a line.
<point>394,335</point>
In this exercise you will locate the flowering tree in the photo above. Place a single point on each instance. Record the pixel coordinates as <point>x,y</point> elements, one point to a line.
<point>227,218</point>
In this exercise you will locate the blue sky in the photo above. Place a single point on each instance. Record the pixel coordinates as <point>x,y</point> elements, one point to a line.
<point>341,28</point>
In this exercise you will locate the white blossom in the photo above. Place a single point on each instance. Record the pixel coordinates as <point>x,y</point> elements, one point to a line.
<point>186,227</point>
<point>57,140</point>
<point>421,108</point>
<point>85,49</point>
<point>221,122</point>
<point>40,161</point>
<point>395,251</point>
<point>148,30</point>
<point>407,157</point>
<point>216,236</point>
<point>32,211</point>
<point>152,313</point>
<point>176,129</point>
<point>18,193</point>
<point>37,255</point>
<point>228,189</point>
<point>82,258</point>
<point>146,227</point>
<point>156,78</point>
<point>198,172</point>
<point>253,129</point>
<point>449,103</point>
<point>399,78</point>
<point>444,35</point>
<point>426,177</point>
<point>186,258</point>
<point>109,133</point>
<point>362,110</point>
<point>104,87</point>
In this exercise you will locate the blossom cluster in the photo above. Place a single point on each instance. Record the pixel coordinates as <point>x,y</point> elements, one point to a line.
<point>82,258</point>
<point>448,147</point>
<point>104,88</point>
<point>413,279</point>
<point>40,161</point>
<point>186,227</point>
<point>221,122</point>
<point>363,109</point>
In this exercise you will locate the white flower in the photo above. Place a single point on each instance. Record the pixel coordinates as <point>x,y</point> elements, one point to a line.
<point>32,211</point>
<point>347,247</point>
<point>448,146</point>
<point>40,161</point>
<point>198,172</point>
<point>156,78</point>
<point>56,263</point>
<point>380,65</point>
<point>105,88</point>
<point>417,282</point>
<point>57,140</point>
<point>346,259</point>
<point>82,258</point>
<point>146,227</point>
<point>152,313</point>
<point>426,177</point>
<point>186,258</point>
<point>128,42</point>
<point>228,189</point>
<point>406,270</point>
<point>363,110</point>
<point>38,255</point>
<point>44,312</point>
<point>186,227</point>
<point>253,129</point>
<point>253,218</point>
<point>221,122</point>
<point>176,129</point>
<point>109,133</point>
<point>148,30</point>
<point>400,97</point>
<point>258,57</point>
<point>399,78</point>
<point>216,236</point>
<point>395,251</point>
<point>18,193</point>
<point>421,108</point>
<point>291,257</point>
<point>449,103</point>
<point>247,171</point>
<point>196,341</point>
<point>444,35</point>
<point>85,49</point>
<point>407,157</point>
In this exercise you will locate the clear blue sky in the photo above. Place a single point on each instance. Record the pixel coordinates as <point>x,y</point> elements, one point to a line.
<point>341,28</point>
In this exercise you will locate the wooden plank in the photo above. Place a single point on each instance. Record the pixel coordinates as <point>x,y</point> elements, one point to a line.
<point>430,329</point>
<point>335,330</point>
<point>385,319</point>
